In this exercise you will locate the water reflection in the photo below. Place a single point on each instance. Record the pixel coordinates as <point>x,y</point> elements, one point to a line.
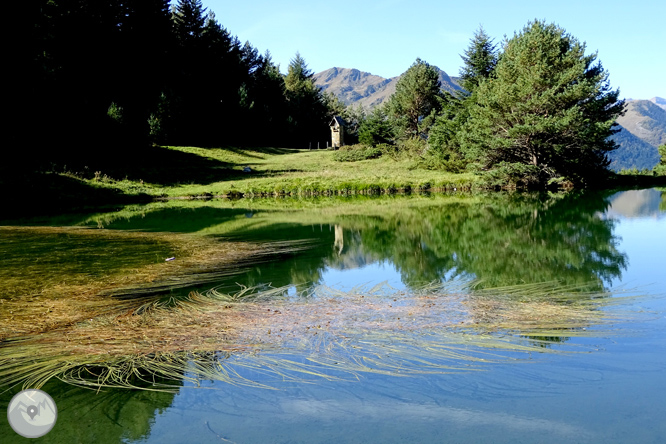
<point>500,240</point>
<point>108,416</point>
<point>637,203</point>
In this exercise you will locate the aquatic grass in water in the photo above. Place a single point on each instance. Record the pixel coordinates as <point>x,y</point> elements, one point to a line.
<point>322,333</point>
<point>62,276</point>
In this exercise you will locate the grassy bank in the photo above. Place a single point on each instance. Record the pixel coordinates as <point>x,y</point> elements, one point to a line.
<point>191,172</point>
<point>294,172</point>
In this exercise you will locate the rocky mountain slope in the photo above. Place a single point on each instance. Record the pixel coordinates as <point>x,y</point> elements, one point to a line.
<point>646,120</point>
<point>661,103</point>
<point>355,87</point>
<point>643,130</point>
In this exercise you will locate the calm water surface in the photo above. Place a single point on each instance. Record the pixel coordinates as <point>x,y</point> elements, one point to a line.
<point>610,389</point>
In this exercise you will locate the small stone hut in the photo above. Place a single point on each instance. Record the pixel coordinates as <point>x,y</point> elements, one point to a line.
<point>337,132</point>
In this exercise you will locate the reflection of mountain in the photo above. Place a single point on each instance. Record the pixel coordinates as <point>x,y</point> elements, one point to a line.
<point>636,203</point>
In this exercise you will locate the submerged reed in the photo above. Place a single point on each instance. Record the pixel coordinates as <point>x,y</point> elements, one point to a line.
<point>128,270</point>
<point>319,333</point>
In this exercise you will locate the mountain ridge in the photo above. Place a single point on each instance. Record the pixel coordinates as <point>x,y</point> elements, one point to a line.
<point>643,129</point>
<point>646,120</point>
<point>659,102</point>
<point>356,87</point>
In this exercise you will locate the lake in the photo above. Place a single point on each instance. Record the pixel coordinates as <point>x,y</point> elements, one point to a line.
<point>462,318</point>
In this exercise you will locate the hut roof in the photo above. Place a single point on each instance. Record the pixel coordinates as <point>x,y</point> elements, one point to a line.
<point>337,121</point>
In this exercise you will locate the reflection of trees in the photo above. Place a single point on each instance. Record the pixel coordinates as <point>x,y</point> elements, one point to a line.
<point>500,239</point>
<point>503,240</point>
<point>296,269</point>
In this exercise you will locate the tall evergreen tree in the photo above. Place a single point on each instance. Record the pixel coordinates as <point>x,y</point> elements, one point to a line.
<point>416,100</point>
<point>189,19</point>
<point>207,74</point>
<point>306,104</point>
<point>660,168</point>
<point>479,60</point>
<point>376,128</point>
<point>269,104</point>
<point>548,110</point>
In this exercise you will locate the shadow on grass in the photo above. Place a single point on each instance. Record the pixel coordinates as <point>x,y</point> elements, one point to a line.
<point>169,167</point>
<point>34,193</point>
<point>255,152</point>
<point>166,167</point>
<point>39,189</point>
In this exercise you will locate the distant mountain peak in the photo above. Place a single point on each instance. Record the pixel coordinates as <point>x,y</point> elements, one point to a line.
<point>659,102</point>
<point>353,86</point>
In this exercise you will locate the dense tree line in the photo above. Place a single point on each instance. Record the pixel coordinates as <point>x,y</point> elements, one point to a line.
<point>537,111</point>
<point>106,77</point>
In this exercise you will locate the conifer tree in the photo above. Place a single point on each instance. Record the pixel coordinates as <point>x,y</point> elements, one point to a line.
<point>660,168</point>
<point>548,109</point>
<point>376,128</point>
<point>189,19</point>
<point>480,59</point>
<point>416,100</point>
<point>306,104</point>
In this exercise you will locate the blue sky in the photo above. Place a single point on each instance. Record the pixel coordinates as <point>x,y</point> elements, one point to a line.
<point>384,37</point>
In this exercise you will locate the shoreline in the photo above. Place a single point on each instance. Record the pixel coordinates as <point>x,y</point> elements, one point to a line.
<point>194,173</point>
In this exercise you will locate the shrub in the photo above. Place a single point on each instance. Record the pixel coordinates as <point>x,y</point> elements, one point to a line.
<point>355,153</point>
<point>413,146</point>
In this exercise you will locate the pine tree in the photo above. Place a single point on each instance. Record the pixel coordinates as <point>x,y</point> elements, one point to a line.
<point>480,59</point>
<point>298,81</point>
<point>660,168</point>
<point>189,19</point>
<point>416,100</point>
<point>269,111</point>
<point>376,128</point>
<point>306,104</point>
<point>548,109</point>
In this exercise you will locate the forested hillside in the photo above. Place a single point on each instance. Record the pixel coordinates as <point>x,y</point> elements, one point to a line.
<point>104,78</point>
<point>643,130</point>
<point>632,153</point>
<point>101,86</point>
